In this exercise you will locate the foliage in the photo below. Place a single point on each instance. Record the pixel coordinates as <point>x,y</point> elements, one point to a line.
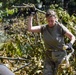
<point>23,44</point>
<point>7,10</point>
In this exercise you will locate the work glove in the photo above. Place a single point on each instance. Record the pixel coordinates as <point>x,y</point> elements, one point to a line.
<point>68,46</point>
<point>32,11</point>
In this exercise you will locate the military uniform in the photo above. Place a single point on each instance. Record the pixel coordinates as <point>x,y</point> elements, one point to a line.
<point>54,41</point>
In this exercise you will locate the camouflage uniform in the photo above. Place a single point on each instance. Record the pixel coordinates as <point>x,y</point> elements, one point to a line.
<point>54,40</point>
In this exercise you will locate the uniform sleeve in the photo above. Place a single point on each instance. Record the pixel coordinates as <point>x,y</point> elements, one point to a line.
<point>43,28</point>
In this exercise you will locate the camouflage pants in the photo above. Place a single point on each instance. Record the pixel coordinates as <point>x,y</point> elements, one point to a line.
<point>52,61</point>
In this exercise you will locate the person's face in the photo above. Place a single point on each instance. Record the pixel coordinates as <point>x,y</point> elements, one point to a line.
<point>51,20</point>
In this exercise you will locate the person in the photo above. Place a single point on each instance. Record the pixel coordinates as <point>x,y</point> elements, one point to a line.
<point>53,36</point>
<point>5,71</point>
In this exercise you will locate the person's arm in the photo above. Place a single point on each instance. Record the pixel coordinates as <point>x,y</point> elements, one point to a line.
<point>70,36</point>
<point>33,28</point>
<point>68,46</point>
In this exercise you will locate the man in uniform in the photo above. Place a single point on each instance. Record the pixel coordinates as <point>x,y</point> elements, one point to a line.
<point>53,36</point>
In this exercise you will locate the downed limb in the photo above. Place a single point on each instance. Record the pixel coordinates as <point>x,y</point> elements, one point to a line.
<point>28,6</point>
<point>21,67</point>
<point>9,58</point>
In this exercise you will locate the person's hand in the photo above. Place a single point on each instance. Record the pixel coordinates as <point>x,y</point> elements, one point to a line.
<point>32,11</point>
<point>68,46</point>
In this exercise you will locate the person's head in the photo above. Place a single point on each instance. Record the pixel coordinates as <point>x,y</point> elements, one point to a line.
<point>51,17</point>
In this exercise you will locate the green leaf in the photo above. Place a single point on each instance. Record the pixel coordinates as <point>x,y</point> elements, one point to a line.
<point>9,11</point>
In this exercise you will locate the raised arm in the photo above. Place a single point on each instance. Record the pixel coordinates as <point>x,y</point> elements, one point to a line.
<point>32,28</point>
